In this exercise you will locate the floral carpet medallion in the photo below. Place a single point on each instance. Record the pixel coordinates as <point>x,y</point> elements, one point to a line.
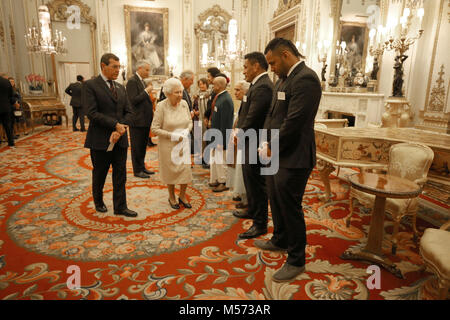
<point>48,223</point>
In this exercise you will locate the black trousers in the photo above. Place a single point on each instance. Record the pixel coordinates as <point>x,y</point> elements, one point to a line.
<point>286,189</point>
<point>102,161</point>
<point>6,121</point>
<point>78,114</point>
<point>255,187</point>
<point>139,139</point>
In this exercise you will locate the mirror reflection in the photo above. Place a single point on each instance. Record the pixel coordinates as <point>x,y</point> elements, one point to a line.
<point>355,69</point>
<point>212,35</point>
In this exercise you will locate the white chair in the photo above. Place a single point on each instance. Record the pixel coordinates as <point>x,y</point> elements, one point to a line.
<point>406,160</point>
<point>435,252</point>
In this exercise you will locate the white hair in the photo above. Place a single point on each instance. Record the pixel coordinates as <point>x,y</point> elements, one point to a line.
<point>244,85</point>
<point>142,63</point>
<point>187,74</point>
<point>170,85</point>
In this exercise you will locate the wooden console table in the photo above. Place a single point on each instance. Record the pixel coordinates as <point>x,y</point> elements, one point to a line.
<point>39,106</point>
<point>382,186</point>
<point>369,149</point>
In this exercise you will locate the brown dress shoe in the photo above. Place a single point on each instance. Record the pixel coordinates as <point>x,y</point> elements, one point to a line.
<point>241,206</point>
<point>221,188</point>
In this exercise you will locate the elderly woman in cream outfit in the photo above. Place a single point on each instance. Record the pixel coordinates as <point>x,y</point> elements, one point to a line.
<point>172,123</point>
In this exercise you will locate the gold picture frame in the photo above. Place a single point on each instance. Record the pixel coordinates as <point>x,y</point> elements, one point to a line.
<point>147,38</point>
<point>361,32</point>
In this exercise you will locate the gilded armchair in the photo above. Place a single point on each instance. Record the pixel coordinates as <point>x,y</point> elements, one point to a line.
<point>435,252</point>
<point>406,160</point>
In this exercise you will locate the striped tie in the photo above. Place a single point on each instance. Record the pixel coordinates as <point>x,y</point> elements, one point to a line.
<point>113,89</point>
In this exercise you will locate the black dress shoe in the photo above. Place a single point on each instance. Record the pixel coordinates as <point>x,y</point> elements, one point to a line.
<point>127,213</point>
<point>101,208</point>
<point>141,175</point>
<point>175,206</point>
<point>186,205</point>
<point>148,172</point>
<point>151,144</point>
<point>242,215</point>
<point>237,199</point>
<point>253,232</point>
<point>241,206</point>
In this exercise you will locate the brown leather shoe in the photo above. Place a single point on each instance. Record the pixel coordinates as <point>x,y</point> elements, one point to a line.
<point>221,188</point>
<point>241,206</point>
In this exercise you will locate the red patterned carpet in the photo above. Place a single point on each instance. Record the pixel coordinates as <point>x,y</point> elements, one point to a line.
<point>48,223</point>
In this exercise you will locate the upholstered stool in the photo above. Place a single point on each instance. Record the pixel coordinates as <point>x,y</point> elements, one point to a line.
<point>435,252</point>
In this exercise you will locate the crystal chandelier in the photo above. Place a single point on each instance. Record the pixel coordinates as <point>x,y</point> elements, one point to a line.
<point>39,40</point>
<point>236,48</point>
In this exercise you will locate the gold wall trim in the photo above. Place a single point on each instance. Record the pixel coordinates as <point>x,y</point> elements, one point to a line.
<point>433,56</point>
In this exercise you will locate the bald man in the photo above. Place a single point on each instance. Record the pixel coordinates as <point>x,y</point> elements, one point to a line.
<point>222,115</point>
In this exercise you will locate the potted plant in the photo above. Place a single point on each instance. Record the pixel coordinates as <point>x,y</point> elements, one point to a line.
<point>35,84</point>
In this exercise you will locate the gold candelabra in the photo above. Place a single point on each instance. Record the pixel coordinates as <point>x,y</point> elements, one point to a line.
<point>396,37</point>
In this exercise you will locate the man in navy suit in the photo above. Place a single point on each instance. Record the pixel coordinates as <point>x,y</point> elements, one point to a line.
<point>222,114</point>
<point>110,114</point>
<point>294,107</point>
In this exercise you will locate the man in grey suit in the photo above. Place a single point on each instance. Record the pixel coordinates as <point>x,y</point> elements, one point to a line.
<point>110,114</point>
<point>294,107</point>
<point>251,119</point>
<point>139,95</point>
<point>74,90</point>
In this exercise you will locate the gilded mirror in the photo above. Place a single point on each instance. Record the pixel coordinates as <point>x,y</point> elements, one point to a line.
<point>355,69</point>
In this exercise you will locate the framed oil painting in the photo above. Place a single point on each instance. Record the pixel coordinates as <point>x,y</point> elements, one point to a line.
<point>356,37</point>
<point>147,38</point>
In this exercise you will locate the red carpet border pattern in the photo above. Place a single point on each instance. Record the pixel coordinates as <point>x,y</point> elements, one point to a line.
<point>48,222</point>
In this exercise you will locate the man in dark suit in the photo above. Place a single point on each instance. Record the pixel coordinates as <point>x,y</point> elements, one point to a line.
<point>187,79</point>
<point>294,107</point>
<point>251,119</point>
<point>139,95</point>
<point>6,100</point>
<point>74,90</point>
<point>110,113</point>
<point>222,109</point>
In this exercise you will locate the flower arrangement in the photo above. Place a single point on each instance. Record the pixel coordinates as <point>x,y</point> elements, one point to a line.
<point>35,82</point>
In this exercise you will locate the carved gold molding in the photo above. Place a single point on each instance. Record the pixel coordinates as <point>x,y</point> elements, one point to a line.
<point>2,34</point>
<point>215,11</point>
<point>12,35</point>
<point>433,56</point>
<point>58,13</point>
<point>105,39</point>
<point>438,94</point>
<point>285,5</point>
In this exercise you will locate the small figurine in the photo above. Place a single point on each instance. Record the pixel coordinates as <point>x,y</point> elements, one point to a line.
<point>375,69</point>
